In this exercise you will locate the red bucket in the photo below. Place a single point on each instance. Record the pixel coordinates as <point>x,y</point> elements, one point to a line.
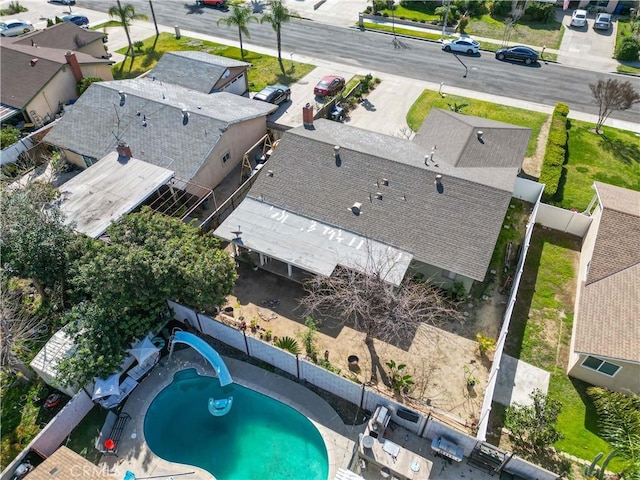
<point>109,444</point>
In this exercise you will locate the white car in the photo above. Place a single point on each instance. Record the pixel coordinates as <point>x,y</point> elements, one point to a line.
<point>465,45</point>
<point>578,18</point>
<point>13,28</point>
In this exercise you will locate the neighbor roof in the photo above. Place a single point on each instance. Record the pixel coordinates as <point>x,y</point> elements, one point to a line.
<point>22,79</point>
<point>151,122</point>
<point>111,188</point>
<point>607,323</point>
<point>454,230</point>
<point>198,71</point>
<point>65,463</point>
<point>64,36</point>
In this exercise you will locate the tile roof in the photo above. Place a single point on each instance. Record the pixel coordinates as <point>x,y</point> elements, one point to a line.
<point>608,323</point>
<point>66,464</point>
<point>90,128</point>
<point>198,71</point>
<point>64,36</point>
<point>21,80</point>
<point>454,230</point>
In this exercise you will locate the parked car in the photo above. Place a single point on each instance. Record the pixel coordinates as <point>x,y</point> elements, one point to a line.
<point>275,94</point>
<point>15,27</point>
<point>79,20</point>
<point>603,21</point>
<point>464,45</point>
<point>329,85</point>
<point>64,2</point>
<point>210,3</point>
<point>523,54</point>
<point>578,18</point>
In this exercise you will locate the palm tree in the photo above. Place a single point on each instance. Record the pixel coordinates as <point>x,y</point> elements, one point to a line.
<point>126,14</point>
<point>279,14</point>
<point>240,17</point>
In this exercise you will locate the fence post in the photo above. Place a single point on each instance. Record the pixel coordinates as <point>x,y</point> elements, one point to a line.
<point>362,396</point>
<point>246,344</point>
<point>199,324</point>
<point>298,365</point>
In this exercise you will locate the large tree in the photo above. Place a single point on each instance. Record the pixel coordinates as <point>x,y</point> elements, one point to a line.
<point>33,237</point>
<point>123,285</point>
<point>612,95</point>
<point>619,422</point>
<point>125,15</point>
<point>240,17</point>
<point>278,14</point>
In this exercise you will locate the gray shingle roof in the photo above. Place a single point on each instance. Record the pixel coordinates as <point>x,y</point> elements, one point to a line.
<point>455,230</point>
<point>607,323</point>
<point>90,128</point>
<point>198,71</point>
<point>65,36</point>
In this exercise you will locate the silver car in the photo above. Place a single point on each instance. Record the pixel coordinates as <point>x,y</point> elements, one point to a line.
<point>463,44</point>
<point>579,18</point>
<point>603,21</point>
<point>13,28</point>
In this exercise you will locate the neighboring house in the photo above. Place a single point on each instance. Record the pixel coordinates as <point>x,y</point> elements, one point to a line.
<point>68,36</point>
<point>605,345</point>
<point>202,72</point>
<point>37,81</point>
<point>200,137</point>
<point>337,195</point>
<point>609,6</point>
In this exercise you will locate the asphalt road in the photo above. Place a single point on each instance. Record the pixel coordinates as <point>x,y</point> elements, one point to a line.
<point>544,83</point>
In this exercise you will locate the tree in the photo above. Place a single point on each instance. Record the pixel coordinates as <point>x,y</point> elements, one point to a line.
<point>370,304</point>
<point>240,16</point>
<point>122,287</point>
<point>533,427</point>
<point>8,136</point>
<point>125,15</point>
<point>619,424</point>
<point>85,83</point>
<point>33,236</point>
<point>278,15</point>
<point>612,95</point>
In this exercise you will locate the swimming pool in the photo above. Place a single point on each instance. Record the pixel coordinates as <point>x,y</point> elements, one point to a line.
<point>260,438</point>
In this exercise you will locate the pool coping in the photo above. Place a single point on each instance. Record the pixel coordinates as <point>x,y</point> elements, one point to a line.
<point>135,455</point>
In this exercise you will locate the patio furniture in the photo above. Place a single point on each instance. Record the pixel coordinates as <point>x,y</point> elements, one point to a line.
<point>126,387</point>
<point>111,433</point>
<point>447,448</point>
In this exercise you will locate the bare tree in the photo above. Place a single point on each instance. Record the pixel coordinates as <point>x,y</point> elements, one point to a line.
<point>612,95</point>
<point>373,305</point>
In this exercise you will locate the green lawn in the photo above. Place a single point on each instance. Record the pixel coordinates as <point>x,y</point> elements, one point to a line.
<point>83,438</point>
<point>529,33</point>
<point>624,30</point>
<point>540,334</point>
<point>110,23</point>
<point>613,157</point>
<point>516,116</point>
<point>264,70</point>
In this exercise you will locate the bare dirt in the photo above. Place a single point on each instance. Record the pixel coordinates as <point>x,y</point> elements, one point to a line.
<point>533,165</point>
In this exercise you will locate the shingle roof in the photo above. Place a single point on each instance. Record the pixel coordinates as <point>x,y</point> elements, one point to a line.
<point>608,323</point>
<point>90,128</point>
<point>198,71</point>
<point>21,80</point>
<point>66,460</point>
<point>455,230</point>
<point>65,36</point>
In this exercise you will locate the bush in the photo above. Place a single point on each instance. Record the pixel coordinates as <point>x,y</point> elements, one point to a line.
<point>85,83</point>
<point>8,136</point>
<point>474,8</point>
<point>541,12</point>
<point>462,25</point>
<point>628,50</point>
<point>555,153</point>
<point>14,7</point>
<point>501,8</point>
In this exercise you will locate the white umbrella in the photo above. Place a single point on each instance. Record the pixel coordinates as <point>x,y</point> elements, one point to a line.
<point>105,387</point>
<point>143,350</point>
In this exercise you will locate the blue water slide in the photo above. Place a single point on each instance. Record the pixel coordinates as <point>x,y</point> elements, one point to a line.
<point>208,352</point>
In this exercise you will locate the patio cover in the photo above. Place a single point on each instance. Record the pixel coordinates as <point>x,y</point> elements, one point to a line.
<point>143,350</point>
<point>45,363</point>
<point>105,387</point>
<point>106,191</point>
<point>308,244</point>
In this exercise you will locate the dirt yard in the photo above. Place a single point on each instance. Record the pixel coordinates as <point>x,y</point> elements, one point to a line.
<point>439,360</point>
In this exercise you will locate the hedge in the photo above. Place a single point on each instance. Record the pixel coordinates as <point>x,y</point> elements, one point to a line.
<point>555,152</point>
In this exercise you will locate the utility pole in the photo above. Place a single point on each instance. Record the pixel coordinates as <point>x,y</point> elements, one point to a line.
<point>153,14</point>
<point>446,18</point>
<point>392,6</point>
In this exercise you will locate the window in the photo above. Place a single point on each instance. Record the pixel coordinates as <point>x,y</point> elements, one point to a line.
<point>226,157</point>
<point>600,366</point>
<point>448,274</point>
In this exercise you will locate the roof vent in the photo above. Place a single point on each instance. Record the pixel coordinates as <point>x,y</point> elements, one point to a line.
<point>185,116</point>
<point>356,208</point>
<point>123,97</point>
<point>270,173</point>
<point>336,150</point>
<point>385,182</point>
<point>33,62</point>
<point>480,133</point>
<point>379,195</point>
<point>438,182</point>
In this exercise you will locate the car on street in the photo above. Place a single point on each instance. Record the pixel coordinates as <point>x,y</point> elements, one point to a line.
<point>329,85</point>
<point>275,94</point>
<point>603,21</point>
<point>524,54</point>
<point>578,18</point>
<point>15,27</point>
<point>210,3</point>
<point>465,45</point>
<point>64,2</point>
<point>79,20</point>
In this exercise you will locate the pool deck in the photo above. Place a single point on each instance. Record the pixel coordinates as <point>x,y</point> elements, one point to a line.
<point>135,455</point>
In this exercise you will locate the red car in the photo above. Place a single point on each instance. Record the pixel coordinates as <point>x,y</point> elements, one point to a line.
<point>211,3</point>
<point>329,85</point>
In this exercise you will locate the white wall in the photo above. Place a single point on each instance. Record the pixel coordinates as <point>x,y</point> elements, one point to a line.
<point>527,190</point>
<point>563,220</point>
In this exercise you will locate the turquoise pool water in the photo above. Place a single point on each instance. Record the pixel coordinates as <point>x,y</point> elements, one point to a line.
<point>260,438</point>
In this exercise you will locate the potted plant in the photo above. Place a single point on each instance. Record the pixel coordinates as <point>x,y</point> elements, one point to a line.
<point>254,325</point>
<point>268,335</point>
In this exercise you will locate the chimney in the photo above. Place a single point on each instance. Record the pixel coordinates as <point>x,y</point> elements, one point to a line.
<point>307,116</point>
<point>123,150</point>
<point>75,66</point>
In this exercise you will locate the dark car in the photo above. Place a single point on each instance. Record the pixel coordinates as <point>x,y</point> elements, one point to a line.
<point>329,85</point>
<point>64,2</point>
<point>79,20</point>
<point>523,54</point>
<point>275,94</point>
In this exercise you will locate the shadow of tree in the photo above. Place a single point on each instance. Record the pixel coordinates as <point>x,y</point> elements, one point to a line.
<point>151,57</point>
<point>627,152</point>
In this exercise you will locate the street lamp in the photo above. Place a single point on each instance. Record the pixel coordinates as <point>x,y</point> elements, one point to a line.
<point>392,6</point>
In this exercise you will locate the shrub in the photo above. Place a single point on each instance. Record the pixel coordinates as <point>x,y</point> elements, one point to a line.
<point>14,7</point>
<point>8,136</point>
<point>541,12</point>
<point>485,344</point>
<point>501,8</point>
<point>289,344</point>
<point>555,153</point>
<point>85,83</point>
<point>628,50</point>
<point>462,25</point>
